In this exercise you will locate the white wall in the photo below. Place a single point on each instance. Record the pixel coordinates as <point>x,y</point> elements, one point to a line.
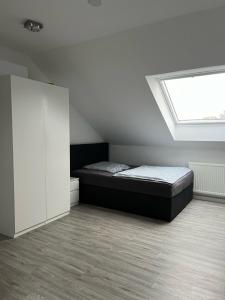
<point>80,130</point>
<point>170,156</point>
<point>106,76</point>
<point>19,58</point>
<point>107,82</point>
<point>12,68</point>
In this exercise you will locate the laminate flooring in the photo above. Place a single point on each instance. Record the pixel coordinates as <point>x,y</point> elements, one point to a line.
<point>100,254</point>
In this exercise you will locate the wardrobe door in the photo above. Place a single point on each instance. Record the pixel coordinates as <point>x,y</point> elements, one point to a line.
<point>57,147</point>
<point>29,152</point>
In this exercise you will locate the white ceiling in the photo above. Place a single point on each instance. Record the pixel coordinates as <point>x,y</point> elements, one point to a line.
<point>70,22</point>
<point>106,77</point>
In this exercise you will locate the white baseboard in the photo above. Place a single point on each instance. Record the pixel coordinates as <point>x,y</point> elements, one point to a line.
<point>210,198</point>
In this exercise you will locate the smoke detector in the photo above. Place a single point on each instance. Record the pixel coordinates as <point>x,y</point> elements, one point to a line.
<point>33,26</point>
<point>95,3</point>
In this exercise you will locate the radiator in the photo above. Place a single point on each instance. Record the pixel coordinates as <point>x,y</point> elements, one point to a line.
<point>209,179</point>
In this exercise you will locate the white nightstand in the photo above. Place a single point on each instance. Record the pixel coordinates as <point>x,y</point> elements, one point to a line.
<point>74,191</point>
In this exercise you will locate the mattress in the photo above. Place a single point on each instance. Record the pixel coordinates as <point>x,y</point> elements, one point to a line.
<point>137,185</point>
<point>156,173</point>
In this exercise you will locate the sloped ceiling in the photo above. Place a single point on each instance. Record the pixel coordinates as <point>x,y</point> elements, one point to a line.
<point>69,22</point>
<point>106,76</point>
<point>13,56</point>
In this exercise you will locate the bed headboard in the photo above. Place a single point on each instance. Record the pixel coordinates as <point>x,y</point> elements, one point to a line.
<point>84,154</point>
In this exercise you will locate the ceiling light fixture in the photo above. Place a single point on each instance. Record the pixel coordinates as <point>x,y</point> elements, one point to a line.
<point>33,26</point>
<point>95,3</point>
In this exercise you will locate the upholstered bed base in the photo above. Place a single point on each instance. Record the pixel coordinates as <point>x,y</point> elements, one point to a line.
<point>151,206</point>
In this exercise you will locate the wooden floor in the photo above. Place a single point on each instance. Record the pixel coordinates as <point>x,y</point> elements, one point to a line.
<point>101,254</point>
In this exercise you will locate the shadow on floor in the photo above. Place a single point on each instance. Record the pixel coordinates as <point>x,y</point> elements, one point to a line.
<point>4,238</point>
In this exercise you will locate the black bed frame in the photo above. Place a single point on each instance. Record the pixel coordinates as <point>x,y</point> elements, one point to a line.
<point>139,203</point>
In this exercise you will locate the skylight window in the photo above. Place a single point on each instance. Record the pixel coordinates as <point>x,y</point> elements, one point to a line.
<point>197,97</point>
<point>192,103</point>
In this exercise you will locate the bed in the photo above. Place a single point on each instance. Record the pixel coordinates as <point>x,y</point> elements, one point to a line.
<point>149,197</point>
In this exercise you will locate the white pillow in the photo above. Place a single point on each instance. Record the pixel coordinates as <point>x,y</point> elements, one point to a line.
<point>107,166</point>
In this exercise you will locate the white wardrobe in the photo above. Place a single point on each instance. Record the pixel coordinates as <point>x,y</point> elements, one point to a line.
<point>34,154</point>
